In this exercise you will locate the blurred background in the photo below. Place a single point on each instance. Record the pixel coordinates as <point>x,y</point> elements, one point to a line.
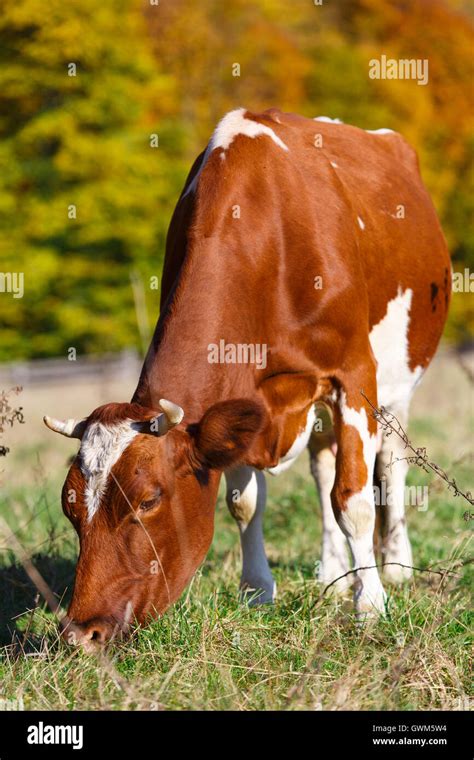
<point>91,167</point>
<point>166,70</point>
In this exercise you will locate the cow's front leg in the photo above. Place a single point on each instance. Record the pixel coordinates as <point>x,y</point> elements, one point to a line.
<point>353,496</point>
<point>246,497</point>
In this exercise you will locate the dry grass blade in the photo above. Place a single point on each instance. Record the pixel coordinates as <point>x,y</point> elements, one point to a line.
<point>391,424</point>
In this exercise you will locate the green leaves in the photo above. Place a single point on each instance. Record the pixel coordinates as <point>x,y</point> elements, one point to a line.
<point>85,198</point>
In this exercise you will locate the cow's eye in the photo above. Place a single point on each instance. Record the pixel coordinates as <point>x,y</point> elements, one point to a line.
<point>147,504</point>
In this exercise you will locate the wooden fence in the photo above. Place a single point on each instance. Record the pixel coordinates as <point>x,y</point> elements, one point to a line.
<point>47,371</point>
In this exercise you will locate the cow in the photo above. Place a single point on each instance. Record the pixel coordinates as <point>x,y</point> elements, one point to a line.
<point>313,246</point>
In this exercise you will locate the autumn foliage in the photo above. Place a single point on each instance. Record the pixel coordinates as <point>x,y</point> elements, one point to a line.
<point>92,163</point>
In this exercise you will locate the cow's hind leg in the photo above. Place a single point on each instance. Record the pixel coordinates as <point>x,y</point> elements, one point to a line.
<point>392,468</point>
<point>334,557</point>
<point>246,497</point>
<point>352,496</point>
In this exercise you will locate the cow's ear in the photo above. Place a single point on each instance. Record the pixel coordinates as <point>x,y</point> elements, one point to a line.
<point>226,432</point>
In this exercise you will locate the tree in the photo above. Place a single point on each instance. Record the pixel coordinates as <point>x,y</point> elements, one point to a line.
<point>83,193</point>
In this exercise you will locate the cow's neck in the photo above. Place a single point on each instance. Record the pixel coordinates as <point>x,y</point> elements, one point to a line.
<point>202,311</point>
<point>215,290</point>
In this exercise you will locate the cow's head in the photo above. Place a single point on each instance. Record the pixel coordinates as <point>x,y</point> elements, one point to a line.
<point>141,494</point>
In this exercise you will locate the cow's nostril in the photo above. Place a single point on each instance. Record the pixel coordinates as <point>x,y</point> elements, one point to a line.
<point>89,635</point>
<point>97,635</point>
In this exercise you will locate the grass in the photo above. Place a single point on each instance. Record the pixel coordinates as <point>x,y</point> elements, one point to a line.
<point>211,652</point>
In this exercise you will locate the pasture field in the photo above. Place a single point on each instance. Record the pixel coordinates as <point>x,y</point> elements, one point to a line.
<point>211,652</point>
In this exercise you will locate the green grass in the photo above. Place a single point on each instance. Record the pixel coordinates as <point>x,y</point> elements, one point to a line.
<point>211,652</point>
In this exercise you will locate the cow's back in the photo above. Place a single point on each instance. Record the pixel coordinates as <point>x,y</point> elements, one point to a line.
<point>278,201</point>
<point>395,229</point>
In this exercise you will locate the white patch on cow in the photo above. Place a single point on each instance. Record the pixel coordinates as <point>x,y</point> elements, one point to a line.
<point>298,445</point>
<point>357,519</point>
<point>328,120</point>
<point>361,223</point>
<point>101,447</point>
<point>357,523</point>
<point>380,131</point>
<point>233,124</point>
<point>389,341</point>
<point>334,559</point>
<point>242,493</point>
<point>358,419</point>
<point>333,163</point>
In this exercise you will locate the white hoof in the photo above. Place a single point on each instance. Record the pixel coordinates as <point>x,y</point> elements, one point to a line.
<point>370,600</point>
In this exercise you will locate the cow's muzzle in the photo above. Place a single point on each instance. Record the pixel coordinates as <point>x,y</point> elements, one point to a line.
<point>92,634</point>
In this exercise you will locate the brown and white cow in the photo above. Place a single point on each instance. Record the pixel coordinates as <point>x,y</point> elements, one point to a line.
<point>316,246</point>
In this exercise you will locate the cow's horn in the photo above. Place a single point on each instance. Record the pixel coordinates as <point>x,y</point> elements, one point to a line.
<point>174,414</point>
<point>159,425</point>
<point>71,428</point>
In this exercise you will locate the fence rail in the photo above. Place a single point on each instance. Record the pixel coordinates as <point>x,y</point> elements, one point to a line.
<point>128,363</point>
<point>41,371</point>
